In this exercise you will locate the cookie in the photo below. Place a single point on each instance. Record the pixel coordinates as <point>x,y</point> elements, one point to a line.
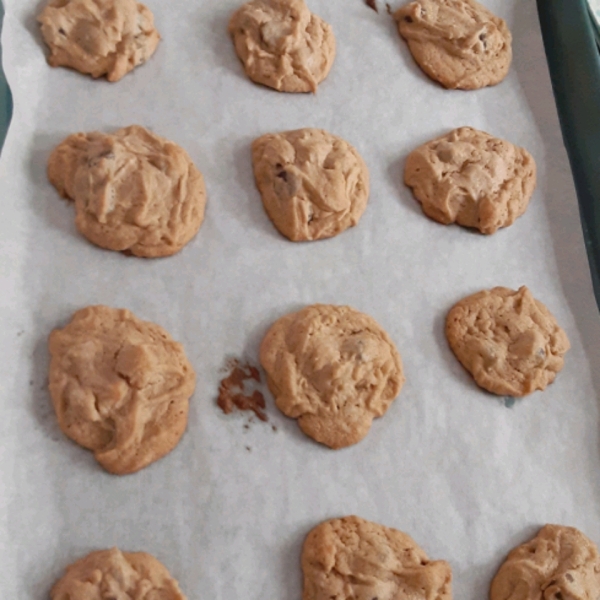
<point>332,368</point>
<point>354,559</point>
<point>509,341</point>
<point>458,43</point>
<point>134,191</point>
<point>313,184</point>
<point>120,387</point>
<point>119,575</point>
<point>558,563</point>
<point>282,44</point>
<point>99,37</point>
<point>471,178</point>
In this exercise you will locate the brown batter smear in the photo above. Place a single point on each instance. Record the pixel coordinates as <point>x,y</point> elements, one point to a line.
<point>234,390</point>
<point>372,4</point>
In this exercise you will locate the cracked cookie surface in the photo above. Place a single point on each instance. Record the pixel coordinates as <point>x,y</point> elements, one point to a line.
<point>120,387</point>
<point>133,191</point>
<point>458,43</point>
<point>509,341</point>
<point>112,574</point>
<point>355,559</point>
<point>559,563</point>
<point>471,178</point>
<point>313,184</point>
<point>99,37</point>
<point>282,44</point>
<point>333,369</point>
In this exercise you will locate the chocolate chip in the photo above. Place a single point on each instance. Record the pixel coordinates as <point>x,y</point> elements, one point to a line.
<point>408,19</point>
<point>569,577</point>
<point>62,31</point>
<point>372,4</point>
<point>283,175</point>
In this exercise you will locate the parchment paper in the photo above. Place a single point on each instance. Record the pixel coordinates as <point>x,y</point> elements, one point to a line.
<point>227,511</point>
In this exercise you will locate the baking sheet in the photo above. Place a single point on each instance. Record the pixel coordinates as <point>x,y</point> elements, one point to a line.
<point>463,473</point>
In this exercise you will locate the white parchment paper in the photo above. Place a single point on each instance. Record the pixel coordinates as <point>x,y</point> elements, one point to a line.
<point>465,475</point>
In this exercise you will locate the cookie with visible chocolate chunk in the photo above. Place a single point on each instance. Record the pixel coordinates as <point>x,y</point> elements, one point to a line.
<point>333,369</point>
<point>282,44</point>
<point>120,387</point>
<point>559,563</point>
<point>313,184</point>
<point>99,37</point>
<point>351,558</point>
<point>133,190</point>
<point>471,178</point>
<point>115,574</point>
<point>509,341</point>
<point>458,43</point>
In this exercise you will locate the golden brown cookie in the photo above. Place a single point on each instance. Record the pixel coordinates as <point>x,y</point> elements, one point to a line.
<point>332,368</point>
<point>134,191</point>
<point>99,37</point>
<point>471,178</point>
<point>354,559</point>
<point>313,184</point>
<point>115,575</point>
<point>120,387</point>
<point>509,341</point>
<point>282,44</point>
<point>458,43</point>
<point>559,563</point>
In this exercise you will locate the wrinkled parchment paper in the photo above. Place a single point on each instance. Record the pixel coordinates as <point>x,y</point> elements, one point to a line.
<point>467,476</point>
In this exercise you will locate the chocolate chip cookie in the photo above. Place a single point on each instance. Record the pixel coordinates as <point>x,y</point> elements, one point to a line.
<point>120,387</point>
<point>471,178</point>
<point>458,43</point>
<point>109,574</point>
<point>99,37</point>
<point>282,44</point>
<point>351,559</point>
<point>332,368</point>
<point>134,191</point>
<point>509,341</point>
<point>313,184</point>
<point>559,563</point>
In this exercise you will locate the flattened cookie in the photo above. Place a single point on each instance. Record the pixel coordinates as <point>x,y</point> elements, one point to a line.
<point>133,190</point>
<point>119,575</point>
<point>332,368</point>
<point>282,44</point>
<point>99,37</point>
<point>120,387</point>
<point>509,341</point>
<point>458,43</point>
<point>354,559</point>
<point>313,184</point>
<point>558,563</point>
<point>471,178</point>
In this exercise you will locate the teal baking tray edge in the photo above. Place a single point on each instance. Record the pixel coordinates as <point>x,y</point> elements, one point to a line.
<point>574,63</point>
<point>6,104</point>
